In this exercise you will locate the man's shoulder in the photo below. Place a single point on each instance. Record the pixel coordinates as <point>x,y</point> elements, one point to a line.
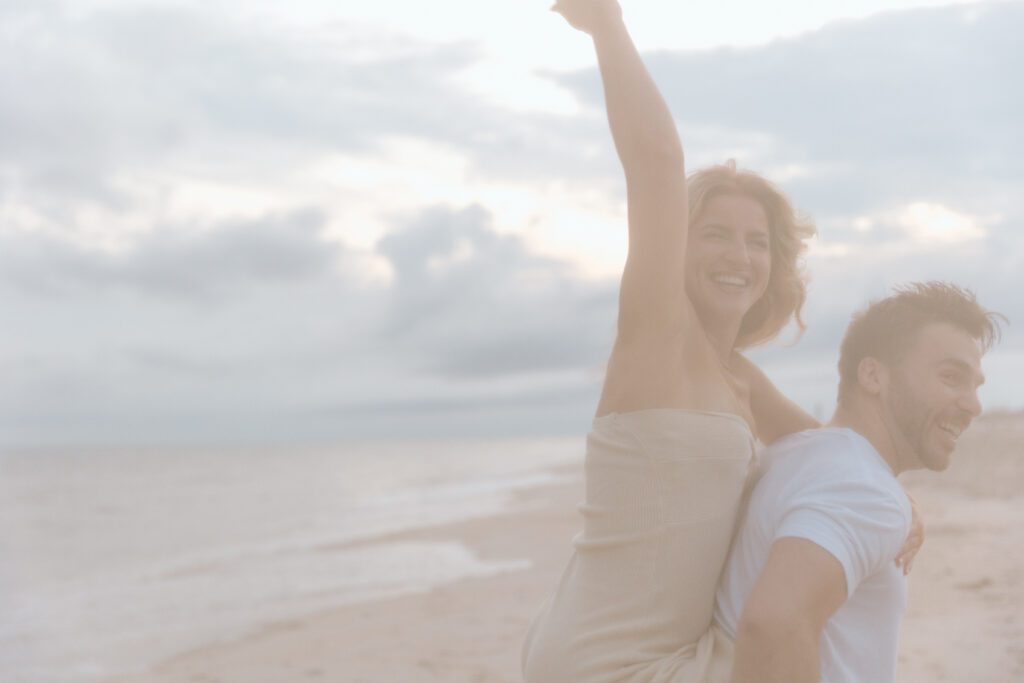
<point>811,438</point>
<point>831,486</point>
<point>825,447</point>
<point>827,458</point>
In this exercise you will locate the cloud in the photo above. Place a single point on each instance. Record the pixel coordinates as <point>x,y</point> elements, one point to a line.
<point>172,261</point>
<point>914,103</point>
<point>468,301</point>
<point>934,223</point>
<point>259,328</point>
<point>910,103</point>
<point>98,94</point>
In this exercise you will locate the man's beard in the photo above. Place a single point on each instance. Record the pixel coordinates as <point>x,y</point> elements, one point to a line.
<point>910,417</point>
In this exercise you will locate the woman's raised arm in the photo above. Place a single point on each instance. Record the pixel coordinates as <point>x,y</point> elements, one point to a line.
<point>652,297</point>
<point>641,124</point>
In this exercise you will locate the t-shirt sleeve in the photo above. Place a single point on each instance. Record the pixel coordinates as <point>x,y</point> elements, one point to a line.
<point>860,523</point>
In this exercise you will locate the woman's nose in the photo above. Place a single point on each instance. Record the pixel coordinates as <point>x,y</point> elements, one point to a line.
<point>738,252</point>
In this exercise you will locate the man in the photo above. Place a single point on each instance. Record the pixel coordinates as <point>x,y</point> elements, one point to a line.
<point>811,591</point>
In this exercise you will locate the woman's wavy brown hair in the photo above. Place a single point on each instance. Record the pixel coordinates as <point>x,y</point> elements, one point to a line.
<point>789,232</point>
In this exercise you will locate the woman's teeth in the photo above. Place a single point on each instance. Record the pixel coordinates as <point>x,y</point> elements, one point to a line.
<point>733,280</point>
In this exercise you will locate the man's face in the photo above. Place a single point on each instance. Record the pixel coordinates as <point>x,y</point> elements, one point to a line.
<point>932,395</point>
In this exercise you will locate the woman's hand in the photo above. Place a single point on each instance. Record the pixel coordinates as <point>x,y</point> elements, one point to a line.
<point>915,539</point>
<point>588,16</point>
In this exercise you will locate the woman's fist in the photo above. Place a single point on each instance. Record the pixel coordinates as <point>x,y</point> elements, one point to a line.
<point>588,15</point>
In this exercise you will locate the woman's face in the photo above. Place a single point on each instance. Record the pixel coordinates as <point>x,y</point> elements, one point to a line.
<point>728,257</point>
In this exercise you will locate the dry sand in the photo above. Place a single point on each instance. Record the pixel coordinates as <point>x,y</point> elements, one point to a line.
<point>964,621</point>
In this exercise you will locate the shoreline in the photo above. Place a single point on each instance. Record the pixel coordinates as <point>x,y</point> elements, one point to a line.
<point>441,634</point>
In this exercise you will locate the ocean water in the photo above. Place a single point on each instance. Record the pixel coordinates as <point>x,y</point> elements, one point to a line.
<point>111,561</point>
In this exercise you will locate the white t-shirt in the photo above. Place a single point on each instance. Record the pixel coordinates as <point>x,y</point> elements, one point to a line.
<point>830,486</point>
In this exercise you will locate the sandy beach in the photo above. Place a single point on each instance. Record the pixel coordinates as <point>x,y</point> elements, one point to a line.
<point>964,621</point>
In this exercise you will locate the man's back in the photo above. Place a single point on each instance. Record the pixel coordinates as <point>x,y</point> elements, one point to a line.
<point>831,487</point>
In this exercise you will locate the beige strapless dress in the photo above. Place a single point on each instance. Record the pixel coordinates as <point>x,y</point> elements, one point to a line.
<point>664,489</point>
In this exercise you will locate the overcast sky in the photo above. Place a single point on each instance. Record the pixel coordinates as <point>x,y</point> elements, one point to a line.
<point>226,221</point>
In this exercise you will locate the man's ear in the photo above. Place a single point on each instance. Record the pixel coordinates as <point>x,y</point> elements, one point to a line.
<point>872,375</point>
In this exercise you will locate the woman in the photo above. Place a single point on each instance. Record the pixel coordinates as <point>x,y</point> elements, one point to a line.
<point>712,268</point>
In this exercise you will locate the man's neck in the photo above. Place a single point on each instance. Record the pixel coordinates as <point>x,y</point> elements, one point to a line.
<point>871,426</point>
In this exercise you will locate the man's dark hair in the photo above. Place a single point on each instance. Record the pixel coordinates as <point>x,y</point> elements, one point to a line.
<point>887,328</point>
